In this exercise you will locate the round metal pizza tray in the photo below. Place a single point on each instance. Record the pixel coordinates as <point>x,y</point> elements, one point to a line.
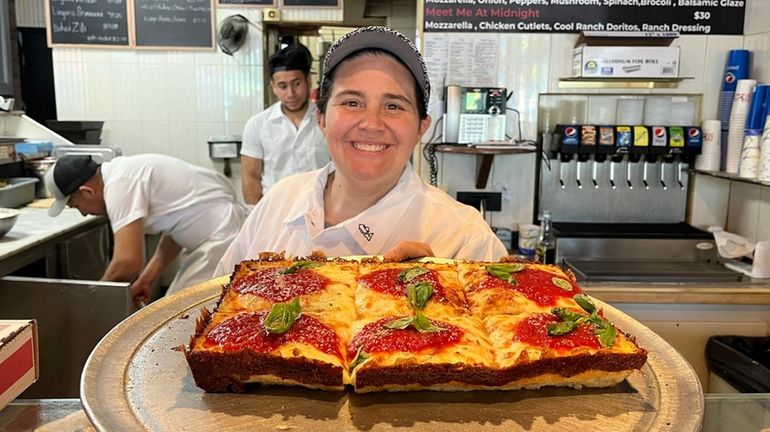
<point>137,379</point>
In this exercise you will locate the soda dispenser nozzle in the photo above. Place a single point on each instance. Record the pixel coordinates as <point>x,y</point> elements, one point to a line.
<point>679,174</point>
<point>593,174</point>
<point>644,175</point>
<point>663,177</point>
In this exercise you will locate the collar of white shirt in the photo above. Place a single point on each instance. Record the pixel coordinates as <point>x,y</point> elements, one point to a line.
<point>277,113</point>
<point>372,228</point>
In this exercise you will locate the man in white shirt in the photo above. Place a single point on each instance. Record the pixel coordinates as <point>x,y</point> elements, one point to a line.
<point>195,209</point>
<point>368,200</point>
<point>285,138</point>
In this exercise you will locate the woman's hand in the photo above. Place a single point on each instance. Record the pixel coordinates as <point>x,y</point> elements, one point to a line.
<point>407,250</point>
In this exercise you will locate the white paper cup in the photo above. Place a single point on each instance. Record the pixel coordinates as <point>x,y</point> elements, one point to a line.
<point>761,266</point>
<point>528,234</point>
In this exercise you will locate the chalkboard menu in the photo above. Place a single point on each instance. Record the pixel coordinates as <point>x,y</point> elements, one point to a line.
<point>174,23</point>
<point>88,22</point>
<point>706,17</point>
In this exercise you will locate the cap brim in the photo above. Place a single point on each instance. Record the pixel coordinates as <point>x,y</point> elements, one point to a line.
<point>57,206</point>
<point>60,199</point>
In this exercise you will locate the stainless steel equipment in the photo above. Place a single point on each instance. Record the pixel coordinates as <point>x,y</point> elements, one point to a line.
<point>72,317</point>
<point>640,253</point>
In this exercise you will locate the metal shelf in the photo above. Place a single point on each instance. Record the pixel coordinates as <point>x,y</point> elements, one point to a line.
<point>484,159</point>
<point>619,83</point>
<point>731,177</point>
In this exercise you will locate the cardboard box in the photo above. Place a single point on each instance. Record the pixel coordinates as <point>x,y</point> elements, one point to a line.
<point>19,365</point>
<point>625,62</point>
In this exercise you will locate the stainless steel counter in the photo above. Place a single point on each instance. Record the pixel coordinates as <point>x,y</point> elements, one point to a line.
<point>36,236</point>
<point>724,413</point>
<point>756,292</point>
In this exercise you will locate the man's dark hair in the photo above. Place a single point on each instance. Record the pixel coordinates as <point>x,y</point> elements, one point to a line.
<point>292,57</point>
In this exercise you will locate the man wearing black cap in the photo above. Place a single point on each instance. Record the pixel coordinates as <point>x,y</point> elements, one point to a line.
<point>369,200</point>
<point>283,139</point>
<point>195,210</point>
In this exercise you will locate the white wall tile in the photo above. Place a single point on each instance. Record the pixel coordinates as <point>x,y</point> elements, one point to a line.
<point>238,91</point>
<point>98,92</point>
<point>757,14</point>
<point>125,134</point>
<point>96,55</point>
<point>152,91</point>
<point>156,137</point>
<point>708,202</point>
<point>185,141</point>
<point>70,85</point>
<point>126,95</point>
<point>759,44</point>
<point>512,176</point>
<point>209,90</point>
<point>692,62</point>
<point>743,211</point>
<point>180,92</point>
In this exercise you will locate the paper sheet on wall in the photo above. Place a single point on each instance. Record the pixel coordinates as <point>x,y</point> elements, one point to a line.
<point>462,59</point>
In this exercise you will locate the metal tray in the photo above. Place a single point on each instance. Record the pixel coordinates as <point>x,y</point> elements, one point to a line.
<point>136,380</point>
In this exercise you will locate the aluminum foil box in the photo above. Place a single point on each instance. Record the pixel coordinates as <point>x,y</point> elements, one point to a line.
<point>625,61</point>
<point>19,365</point>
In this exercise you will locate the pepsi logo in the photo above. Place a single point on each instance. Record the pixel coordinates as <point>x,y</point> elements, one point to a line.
<point>729,78</point>
<point>570,131</point>
<point>693,132</point>
<point>660,132</point>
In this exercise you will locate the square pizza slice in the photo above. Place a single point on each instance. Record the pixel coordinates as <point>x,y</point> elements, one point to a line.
<point>514,288</point>
<point>390,289</point>
<point>565,347</point>
<point>404,353</point>
<point>323,287</point>
<point>280,346</point>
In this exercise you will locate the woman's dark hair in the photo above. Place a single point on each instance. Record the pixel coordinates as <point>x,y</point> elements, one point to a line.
<point>326,85</point>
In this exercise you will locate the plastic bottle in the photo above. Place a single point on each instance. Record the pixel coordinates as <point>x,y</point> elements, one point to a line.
<point>545,251</point>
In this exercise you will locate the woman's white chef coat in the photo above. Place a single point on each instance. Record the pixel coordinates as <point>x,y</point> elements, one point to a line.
<point>290,218</point>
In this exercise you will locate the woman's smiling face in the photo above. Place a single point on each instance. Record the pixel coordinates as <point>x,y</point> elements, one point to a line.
<point>371,122</point>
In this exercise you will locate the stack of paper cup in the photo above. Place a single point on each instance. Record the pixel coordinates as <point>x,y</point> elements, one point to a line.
<point>630,112</point>
<point>657,110</point>
<point>682,114</point>
<point>736,68</point>
<point>750,154</point>
<point>738,117</point>
<point>764,150</point>
<point>708,160</point>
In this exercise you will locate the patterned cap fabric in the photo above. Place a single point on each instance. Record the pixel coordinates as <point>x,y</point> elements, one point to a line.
<point>386,39</point>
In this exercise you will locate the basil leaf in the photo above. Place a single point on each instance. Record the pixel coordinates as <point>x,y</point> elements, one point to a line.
<point>561,283</point>
<point>566,314</point>
<point>299,265</point>
<point>507,268</point>
<point>585,302</point>
<point>419,294</point>
<point>400,323</point>
<point>423,324</point>
<point>561,328</point>
<point>502,273</point>
<point>411,273</point>
<point>361,356</point>
<point>606,333</point>
<point>282,316</point>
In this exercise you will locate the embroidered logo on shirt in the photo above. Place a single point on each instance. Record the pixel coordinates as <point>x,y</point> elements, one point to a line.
<point>364,230</point>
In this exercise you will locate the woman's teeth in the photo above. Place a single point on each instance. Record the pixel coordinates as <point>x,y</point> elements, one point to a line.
<point>369,147</point>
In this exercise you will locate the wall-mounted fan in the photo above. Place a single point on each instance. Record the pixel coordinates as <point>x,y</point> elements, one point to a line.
<point>233,32</point>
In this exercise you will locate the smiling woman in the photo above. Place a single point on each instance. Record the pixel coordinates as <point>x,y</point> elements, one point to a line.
<point>372,109</point>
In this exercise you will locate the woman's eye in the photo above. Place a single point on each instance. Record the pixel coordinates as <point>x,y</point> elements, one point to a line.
<point>351,103</point>
<point>393,107</point>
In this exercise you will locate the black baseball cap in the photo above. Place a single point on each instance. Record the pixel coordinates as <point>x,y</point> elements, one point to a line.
<point>292,57</point>
<point>67,175</point>
<point>386,39</point>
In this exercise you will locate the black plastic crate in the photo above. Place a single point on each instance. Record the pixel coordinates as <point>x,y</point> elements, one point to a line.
<point>742,361</point>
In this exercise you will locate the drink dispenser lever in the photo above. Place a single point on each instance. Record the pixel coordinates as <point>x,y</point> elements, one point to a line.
<point>676,149</point>
<point>658,150</point>
<point>693,145</point>
<point>606,147</point>
<point>593,174</point>
<point>663,177</point>
<point>623,139</point>
<point>568,142</point>
<point>587,149</point>
<point>640,147</point>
